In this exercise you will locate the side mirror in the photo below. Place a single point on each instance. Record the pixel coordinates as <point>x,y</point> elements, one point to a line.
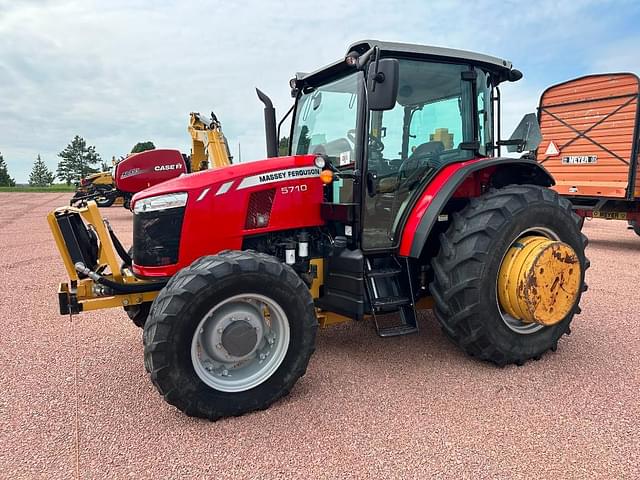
<point>382,84</point>
<point>526,136</point>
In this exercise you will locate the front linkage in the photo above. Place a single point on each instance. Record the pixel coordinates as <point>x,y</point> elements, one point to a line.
<point>96,263</point>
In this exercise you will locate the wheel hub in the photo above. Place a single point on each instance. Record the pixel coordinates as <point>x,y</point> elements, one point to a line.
<point>239,338</point>
<point>233,332</point>
<point>539,280</point>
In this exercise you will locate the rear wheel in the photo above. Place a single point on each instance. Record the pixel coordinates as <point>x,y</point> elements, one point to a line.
<point>483,299</point>
<point>230,334</point>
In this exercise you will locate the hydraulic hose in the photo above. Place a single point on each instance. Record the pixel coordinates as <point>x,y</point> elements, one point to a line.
<point>120,287</point>
<point>124,255</point>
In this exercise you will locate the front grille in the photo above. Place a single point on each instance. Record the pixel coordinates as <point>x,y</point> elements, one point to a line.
<point>156,237</point>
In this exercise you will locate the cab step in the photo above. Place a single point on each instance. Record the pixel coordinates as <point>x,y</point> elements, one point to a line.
<point>397,330</point>
<point>384,272</point>
<point>391,296</point>
<point>386,304</point>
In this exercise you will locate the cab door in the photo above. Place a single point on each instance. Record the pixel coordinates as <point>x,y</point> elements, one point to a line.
<point>431,125</point>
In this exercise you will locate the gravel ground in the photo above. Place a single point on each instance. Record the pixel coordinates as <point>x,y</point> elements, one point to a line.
<point>408,407</point>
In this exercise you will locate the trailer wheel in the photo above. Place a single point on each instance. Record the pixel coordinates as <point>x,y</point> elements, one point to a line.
<point>229,335</point>
<point>471,300</point>
<point>102,200</point>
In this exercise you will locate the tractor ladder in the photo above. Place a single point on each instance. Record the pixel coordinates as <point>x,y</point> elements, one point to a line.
<point>390,289</point>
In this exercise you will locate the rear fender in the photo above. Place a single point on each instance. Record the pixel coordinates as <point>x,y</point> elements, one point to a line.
<point>464,180</point>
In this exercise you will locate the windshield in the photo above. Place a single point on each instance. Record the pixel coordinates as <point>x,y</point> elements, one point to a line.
<point>325,121</point>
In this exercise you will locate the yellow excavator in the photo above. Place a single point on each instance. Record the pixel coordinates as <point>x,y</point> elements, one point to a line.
<point>209,149</point>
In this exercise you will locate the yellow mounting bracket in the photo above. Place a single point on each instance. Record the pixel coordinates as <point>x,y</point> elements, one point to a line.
<point>83,294</point>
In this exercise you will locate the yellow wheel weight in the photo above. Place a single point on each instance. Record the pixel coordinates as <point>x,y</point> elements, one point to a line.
<point>539,280</point>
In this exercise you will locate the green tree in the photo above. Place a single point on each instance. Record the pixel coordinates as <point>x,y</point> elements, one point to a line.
<point>77,161</point>
<point>40,175</point>
<point>104,167</point>
<point>142,147</point>
<point>5,179</point>
<point>283,146</point>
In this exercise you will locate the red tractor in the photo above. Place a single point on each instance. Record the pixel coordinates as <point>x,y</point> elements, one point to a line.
<point>394,198</point>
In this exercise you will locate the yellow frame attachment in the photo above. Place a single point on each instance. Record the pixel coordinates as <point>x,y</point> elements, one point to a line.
<point>83,294</point>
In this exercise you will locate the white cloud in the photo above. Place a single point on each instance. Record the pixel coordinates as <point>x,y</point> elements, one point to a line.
<point>120,72</point>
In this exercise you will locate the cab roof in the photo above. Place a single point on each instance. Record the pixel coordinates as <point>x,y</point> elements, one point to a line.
<point>498,66</point>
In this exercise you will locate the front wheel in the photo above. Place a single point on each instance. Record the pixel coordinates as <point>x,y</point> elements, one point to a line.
<point>510,274</point>
<point>230,334</point>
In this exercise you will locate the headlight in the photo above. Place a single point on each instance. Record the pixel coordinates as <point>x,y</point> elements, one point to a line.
<point>161,202</point>
<point>319,162</point>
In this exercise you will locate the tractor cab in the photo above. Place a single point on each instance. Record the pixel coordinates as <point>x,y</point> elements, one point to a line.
<point>389,118</point>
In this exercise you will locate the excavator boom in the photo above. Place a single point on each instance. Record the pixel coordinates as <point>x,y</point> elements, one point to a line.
<point>209,147</point>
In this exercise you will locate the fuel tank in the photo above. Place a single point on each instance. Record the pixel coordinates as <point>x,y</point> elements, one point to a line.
<point>145,169</point>
<point>228,204</point>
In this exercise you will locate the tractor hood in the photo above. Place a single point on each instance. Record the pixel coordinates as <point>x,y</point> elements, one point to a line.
<point>244,171</point>
<point>223,207</point>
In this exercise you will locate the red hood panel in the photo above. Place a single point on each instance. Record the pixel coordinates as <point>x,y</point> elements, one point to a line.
<point>207,178</point>
<point>223,204</point>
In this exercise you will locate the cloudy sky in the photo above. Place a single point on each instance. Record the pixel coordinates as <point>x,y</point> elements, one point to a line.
<point>118,72</point>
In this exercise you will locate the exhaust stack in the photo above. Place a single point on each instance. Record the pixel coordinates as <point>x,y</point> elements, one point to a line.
<point>269,124</point>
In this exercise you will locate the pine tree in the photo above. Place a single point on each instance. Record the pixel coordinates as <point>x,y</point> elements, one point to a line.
<point>77,161</point>
<point>5,179</point>
<point>143,146</point>
<point>40,176</point>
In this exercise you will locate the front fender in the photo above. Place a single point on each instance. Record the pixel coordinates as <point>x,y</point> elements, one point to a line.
<point>436,195</point>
